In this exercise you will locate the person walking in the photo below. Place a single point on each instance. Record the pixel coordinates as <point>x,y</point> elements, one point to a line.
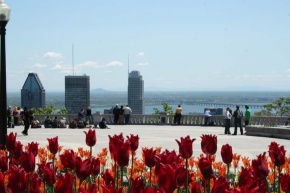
<point>238,115</point>
<point>247,115</point>
<point>127,114</point>
<point>228,117</point>
<point>177,117</point>
<point>26,119</point>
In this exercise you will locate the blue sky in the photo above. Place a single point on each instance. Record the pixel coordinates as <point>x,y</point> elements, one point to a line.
<point>186,45</point>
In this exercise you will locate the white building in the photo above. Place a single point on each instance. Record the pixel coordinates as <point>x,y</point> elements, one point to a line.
<point>136,92</point>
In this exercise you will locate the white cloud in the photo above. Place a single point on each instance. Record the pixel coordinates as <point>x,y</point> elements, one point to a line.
<point>114,63</point>
<point>141,54</point>
<point>288,70</point>
<point>88,64</point>
<point>38,65</point>
<point>52,55</point>
<point>143,64</point>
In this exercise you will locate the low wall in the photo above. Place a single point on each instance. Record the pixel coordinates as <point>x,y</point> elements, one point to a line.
<point>268,131</point>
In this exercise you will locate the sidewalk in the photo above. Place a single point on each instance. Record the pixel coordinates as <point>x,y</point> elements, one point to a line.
<point>152,136</point>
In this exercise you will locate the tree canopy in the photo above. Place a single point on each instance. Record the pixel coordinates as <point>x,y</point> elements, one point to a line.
<point>279,107</point>
<point>166,108</point>
<point>49,109</point>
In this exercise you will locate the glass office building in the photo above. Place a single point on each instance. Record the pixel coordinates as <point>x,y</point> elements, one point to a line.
<point>33,92</point>
<point>77,93</point>
<point>136,92</point>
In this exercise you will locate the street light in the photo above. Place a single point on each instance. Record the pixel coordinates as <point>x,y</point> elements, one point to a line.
<point>4,18</point>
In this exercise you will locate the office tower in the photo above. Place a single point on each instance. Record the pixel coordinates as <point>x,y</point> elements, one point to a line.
<point>136,92</point>
<point>77,93</point>
<point>32,92</point>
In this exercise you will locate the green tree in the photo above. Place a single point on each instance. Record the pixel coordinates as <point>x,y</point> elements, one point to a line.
<point>49,109</point>
<point>279,107</point>
<point>263,113</point>
<point>166,108</point>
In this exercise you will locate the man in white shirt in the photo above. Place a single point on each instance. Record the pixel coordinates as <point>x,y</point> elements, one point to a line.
<point>127,113</point>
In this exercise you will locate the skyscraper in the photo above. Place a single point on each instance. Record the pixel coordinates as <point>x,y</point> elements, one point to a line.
<point>32,92</point>
<point>77,93</point>
<point>136,92</point>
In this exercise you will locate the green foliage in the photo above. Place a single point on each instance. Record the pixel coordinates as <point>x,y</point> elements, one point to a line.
<point>49,109</point>
<point>166,108</point>
<point>279,107</point>
<point>263,113</point>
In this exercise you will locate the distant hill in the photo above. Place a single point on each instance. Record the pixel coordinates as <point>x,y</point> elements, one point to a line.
<point>100,90</point>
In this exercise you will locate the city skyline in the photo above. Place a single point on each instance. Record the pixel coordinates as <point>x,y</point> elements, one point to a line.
<point>176,46</point>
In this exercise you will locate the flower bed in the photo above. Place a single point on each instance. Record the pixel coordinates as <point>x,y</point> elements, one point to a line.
<point>48,169</point>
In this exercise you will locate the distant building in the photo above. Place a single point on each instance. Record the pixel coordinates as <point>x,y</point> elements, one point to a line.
<point>77,93</point>
<point>32,92</point>
<point>136,92</point>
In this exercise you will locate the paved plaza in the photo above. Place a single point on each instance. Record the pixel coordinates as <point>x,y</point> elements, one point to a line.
<point>152,136</point>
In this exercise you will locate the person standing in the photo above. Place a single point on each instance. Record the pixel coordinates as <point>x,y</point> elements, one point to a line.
<point>9,116</point>
<point>15,116</point>
<point>238,115</point>
<point>247,115</point>
<point>116,112</point>
<point>207,115</point>
<point>89,115</point>
<point>26,119</point>
<point>178,115</point>
<point>228,117</point>
<point>121,115</point>
<point>127,114</point>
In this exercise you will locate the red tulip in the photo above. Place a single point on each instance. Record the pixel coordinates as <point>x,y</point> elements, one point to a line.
<point>166,177</point>
<point>41,166</point>
<point>138,185</point>
<point>181,177</point>
<point>227,154</point>
<point>83,168</point>
<point>2,182</point>
<point>221,185</point>
<point>49,174</point>
<point>277,154</point>
<point>185,147</point>
<point>3,163</point>
<point>113,143</point>
<point>95,166</point>
<point>108,177</point>
<point>209,144</point>
<point>285,182</point>
<point>34,184</point>
<point>53,145</point>
<point>17,179</point>
<point>260,166</point>
<point>149,155</point>
<point>122,153</point>
<point>91,138</point>
<point>154,189</point>
<point>18,150</point>
<point>195,187</point>
<point>27,161</point>
<point>247,176</point>
<point>33,148</point>
<point>134,142</point>
<point>68,159</point>
<point>205,166</point>
<point>65,183</point>
<point>111,189</point>
<point>166,157</point>
<point>92,189</point>
<point>11,142</point>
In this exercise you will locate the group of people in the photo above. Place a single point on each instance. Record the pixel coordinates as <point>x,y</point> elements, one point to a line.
<point>239,117</point>
<point>55,123</point>
<point>122,114</point>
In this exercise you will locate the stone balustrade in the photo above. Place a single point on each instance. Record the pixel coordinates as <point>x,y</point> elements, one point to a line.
<point>163,118</point>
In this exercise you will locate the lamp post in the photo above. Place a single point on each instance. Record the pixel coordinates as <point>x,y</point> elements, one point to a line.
<point>4,18</point>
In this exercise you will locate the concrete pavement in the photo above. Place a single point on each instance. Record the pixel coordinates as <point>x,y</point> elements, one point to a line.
<point>152,136</point>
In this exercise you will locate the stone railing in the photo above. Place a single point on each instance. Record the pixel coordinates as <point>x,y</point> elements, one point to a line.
<point>164,119</point>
